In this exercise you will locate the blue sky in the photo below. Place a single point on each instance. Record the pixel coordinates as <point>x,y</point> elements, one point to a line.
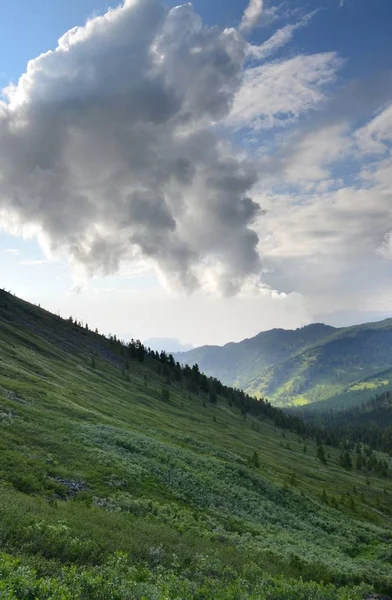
<point>313,116</point>
<point>359,30</point>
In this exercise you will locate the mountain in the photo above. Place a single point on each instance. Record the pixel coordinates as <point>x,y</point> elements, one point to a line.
<point>124,476</point>
<point>311,364</point>
<point>167,344</point>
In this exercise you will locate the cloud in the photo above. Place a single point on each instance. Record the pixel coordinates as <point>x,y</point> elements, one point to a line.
<point>108,151</point>
<point>320,152</point>
<point>279,92</point>
<point>134,269</point>
<point>327,193</point>
<point>379,175</point>
<point>327,246</point>
<point>329,238</point>
<point>280,38</point>
<point>376,136</point>
<point>385,248</point>
<point>307,156</point>
<point>375,140</point>
<point>33,263</point>
<point>252,15</point>
<point>114,151</point>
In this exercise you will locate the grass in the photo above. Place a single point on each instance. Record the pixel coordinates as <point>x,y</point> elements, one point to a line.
<point>369,385</point>
<point>107,484</point>
<point>300,401</point>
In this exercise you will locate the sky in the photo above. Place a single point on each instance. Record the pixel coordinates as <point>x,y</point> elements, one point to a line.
<point>201,171</point>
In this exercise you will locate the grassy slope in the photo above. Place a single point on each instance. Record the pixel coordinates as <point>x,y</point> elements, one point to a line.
<point>356,393</point>
<point>93,461</point>
<point>312,364</point>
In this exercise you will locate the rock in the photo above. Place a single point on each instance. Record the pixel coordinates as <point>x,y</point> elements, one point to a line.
<point>73,486</point>
<point>10,395</point>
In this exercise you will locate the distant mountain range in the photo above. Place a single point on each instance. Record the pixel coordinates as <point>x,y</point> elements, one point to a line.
<point>167,344</point>
<point>340,366</point>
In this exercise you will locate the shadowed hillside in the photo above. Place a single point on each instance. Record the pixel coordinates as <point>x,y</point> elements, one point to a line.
<point>369,422</point>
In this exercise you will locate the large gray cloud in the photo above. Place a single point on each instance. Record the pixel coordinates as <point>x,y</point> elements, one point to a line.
<point>107,147</point>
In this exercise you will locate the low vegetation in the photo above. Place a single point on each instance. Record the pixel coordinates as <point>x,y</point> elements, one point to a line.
<point>123,475</point>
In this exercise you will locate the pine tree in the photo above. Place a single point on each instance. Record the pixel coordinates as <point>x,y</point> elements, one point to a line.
<point>212,397</point>
<point>255,461</point>
<point>345,460</point>
<point>165,394</point>
<point>321,455</point>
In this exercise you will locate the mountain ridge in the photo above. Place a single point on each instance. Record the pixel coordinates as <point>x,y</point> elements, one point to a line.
<point>286,365</point>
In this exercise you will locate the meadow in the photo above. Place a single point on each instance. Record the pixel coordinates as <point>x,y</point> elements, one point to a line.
<point>118,480</point>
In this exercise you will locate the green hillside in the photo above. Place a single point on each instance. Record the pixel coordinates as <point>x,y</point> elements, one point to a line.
<point>312,364</point>
<point>355,394</point>
<point>123,476</point>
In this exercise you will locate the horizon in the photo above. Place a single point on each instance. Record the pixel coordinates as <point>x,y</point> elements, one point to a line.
<point>153,342</point>
<point>232,177</point>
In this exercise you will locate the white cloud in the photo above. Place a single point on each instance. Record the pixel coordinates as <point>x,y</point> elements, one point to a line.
<point>252,15</point>
<point>375,136</point>
<point>33,263</point>
<point>136,268</point>
<point>279,92</point>
<point>107,148</point>
<point>346,222</point>
<point>385,248</point>
<point>315,152</point>
<point>326,246</point>
<point>326,239</point>
<point>280,38</point>
<point>379,174</point>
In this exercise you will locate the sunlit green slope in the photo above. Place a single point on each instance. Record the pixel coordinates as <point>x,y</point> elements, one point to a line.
<point>118,480</point>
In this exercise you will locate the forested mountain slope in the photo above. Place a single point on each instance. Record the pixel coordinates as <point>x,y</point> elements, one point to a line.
<point>369,422</point>
<point>311,364</point>
<point>124,476</point>
<point>239,363</point>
